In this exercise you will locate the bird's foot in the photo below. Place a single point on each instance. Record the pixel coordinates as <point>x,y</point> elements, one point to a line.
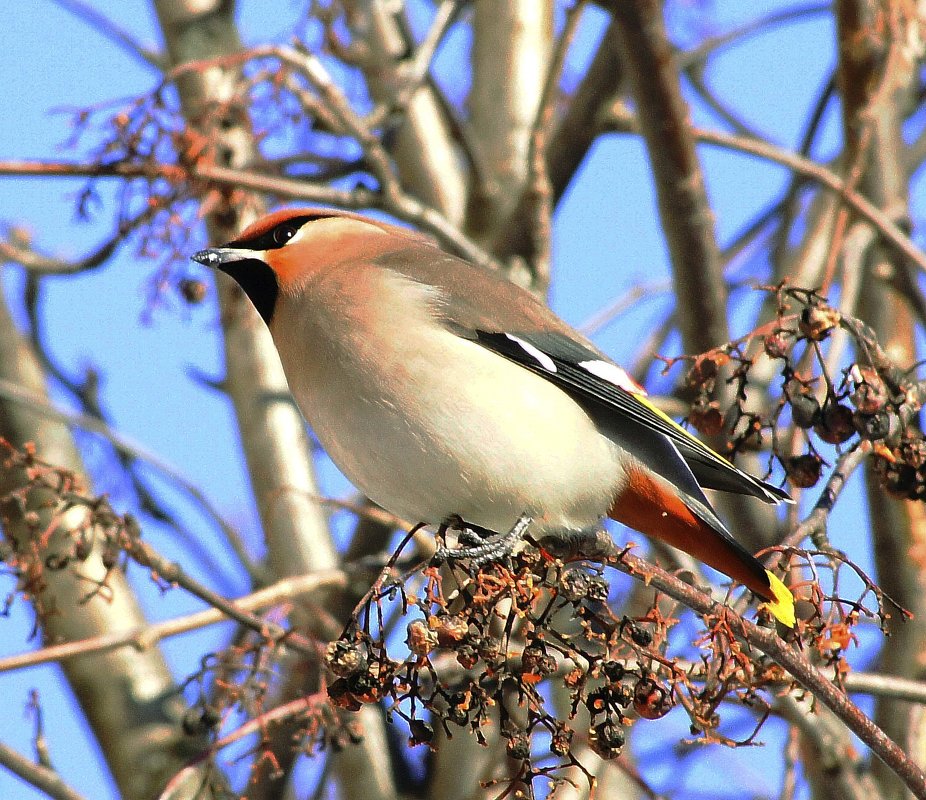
<point>483,546</point>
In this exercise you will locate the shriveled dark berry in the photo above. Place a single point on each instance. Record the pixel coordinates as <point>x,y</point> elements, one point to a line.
<point>805,409</point>
<point>192,290</point>
<point>574,585</point>
<point>706,417</point>
<point>613,670</point>
<point>641,636</point>
<point>835,426</point>
<point>598,588</point>
<point>804,471</point>
<point>872,426</point>
<point>450,630</point>
<point>607,738</point>
<point>777,345</point>
<point>704,371</point>
<point>870,395</point>
<point>651,700</point>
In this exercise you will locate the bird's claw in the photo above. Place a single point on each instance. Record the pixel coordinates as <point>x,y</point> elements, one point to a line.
<point>483,550</point>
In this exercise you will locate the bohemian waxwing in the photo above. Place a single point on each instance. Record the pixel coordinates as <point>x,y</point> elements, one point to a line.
<point>444,391</point>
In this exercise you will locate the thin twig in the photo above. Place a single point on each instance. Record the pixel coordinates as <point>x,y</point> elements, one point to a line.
<point>43,778</point>
<point>538,180</point>
<point>811,169</point>
<point>172,572</point>
<point>25,256</point>
<point>116,34</point>
<point>18,394</point>
<point>401,206</point>
<point>416,72</point>
<point>704,49</point>
<point>145,636</point>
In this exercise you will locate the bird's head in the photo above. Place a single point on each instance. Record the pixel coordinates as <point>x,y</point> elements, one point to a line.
<point>280,251</point>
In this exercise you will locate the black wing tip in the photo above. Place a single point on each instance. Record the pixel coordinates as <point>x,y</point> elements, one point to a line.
<point>774,495</point>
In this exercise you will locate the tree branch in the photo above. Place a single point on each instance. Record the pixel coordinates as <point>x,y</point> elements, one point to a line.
<point>43,778</point>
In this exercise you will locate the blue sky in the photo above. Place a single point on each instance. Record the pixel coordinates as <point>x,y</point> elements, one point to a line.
<point>606,239</point>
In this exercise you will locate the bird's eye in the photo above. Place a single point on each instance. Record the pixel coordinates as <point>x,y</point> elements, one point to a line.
<point>283,234</point>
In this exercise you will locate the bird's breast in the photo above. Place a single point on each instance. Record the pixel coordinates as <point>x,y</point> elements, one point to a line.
<point>429,424</point>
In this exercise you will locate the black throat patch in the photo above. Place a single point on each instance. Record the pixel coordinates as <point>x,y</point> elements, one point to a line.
<point>258,282</point>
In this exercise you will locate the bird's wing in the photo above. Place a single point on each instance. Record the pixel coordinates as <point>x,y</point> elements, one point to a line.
<point>614,396</point>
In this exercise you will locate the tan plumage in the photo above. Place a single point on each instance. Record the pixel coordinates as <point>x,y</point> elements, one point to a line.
<point>443,390</point>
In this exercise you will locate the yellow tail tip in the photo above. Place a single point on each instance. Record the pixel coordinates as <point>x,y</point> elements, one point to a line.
<point>782,607</point>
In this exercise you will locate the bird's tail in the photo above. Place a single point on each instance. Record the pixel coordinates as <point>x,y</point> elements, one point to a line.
<point>653,507</point>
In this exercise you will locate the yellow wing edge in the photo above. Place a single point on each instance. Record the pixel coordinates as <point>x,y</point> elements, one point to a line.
<point>782,607</point>
<point>644,401</point>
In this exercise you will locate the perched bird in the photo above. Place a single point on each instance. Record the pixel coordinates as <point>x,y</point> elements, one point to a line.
<point>444,391</point>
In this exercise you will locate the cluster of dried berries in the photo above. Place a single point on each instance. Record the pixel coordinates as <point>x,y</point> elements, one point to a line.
<point>902,468</point>
<point>467,662</point>
<point>865,405</point>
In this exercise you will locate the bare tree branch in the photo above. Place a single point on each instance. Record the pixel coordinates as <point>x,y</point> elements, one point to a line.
<point>684,209</point>
<point>42,778</point>
<point>145,636</point>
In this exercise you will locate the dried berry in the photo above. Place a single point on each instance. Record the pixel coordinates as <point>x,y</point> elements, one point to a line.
<point>613,670</point>
<point>344,658</point>
<point>835,426</point>
<point>607,738</point>
<point>777,345</point>
<point>340,695</point>
<point>872,426</point>
<point>804,471</point>
<point>536,661</point>
<point>817,323</point>
<point>598,589</point>
<point>641,636</point>
<point>870,395</point>
<point>805,409</point>
<point>450,630</point>
<point>651,700</point>
<point>421,640</point>
<point>519,747</point>
<point>705,369</point>
<point>192,290</point>
<point>706,417</point>
<point>574,584</point>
